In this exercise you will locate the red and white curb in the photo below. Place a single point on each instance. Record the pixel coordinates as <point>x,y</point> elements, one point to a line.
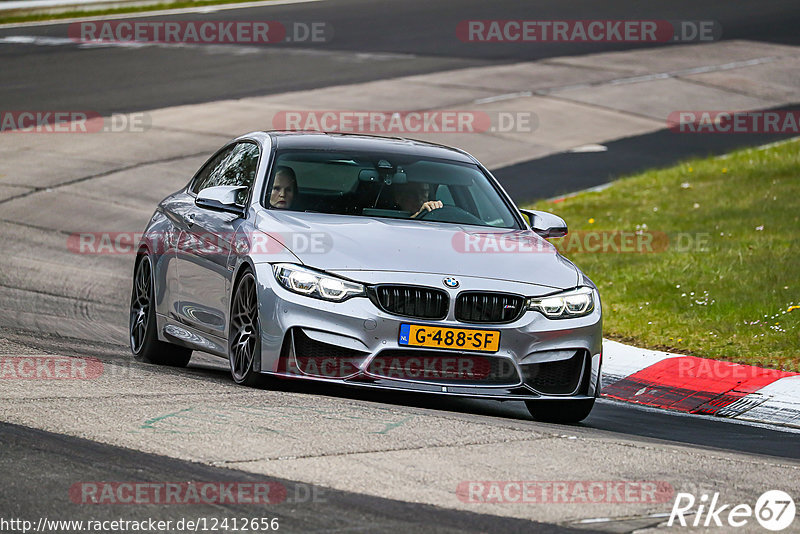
<point>700,385</point>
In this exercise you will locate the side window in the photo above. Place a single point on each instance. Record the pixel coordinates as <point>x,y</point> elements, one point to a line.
<point>211,168</point>
<point>234,166</point>
<point>239,167</point>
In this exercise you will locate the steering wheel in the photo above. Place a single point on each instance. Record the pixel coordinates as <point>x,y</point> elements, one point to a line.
<point>452,214</point>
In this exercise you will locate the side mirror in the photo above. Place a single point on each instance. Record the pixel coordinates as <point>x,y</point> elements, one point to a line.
<point>222,198</point>
<point>546,224</point>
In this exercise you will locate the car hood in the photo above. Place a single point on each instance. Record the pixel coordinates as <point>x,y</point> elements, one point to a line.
<point>349,243</point>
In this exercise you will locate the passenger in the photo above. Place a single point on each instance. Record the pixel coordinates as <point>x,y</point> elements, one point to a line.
<point>284,188</point>
<point>413,197</point>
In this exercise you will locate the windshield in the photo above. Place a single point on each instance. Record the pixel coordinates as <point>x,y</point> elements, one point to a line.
<point>385,185</point>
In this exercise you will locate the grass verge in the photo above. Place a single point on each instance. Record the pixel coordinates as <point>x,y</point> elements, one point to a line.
<point>34,17</point>
<point>723,278</point>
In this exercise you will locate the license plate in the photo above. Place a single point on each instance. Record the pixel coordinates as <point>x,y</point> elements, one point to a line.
<point>449,338</point>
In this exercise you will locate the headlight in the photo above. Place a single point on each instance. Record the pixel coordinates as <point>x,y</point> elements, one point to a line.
<point>572,303</point>
<point>315,284</point>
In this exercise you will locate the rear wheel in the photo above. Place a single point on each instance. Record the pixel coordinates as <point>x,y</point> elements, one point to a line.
<point>560,411</point>
<point>145,345</point>
<point>244,337</point>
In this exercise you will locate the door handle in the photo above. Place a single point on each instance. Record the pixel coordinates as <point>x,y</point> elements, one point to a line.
<point>190,220</point>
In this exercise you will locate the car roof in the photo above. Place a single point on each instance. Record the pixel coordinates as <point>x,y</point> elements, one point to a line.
<point>368,143</point>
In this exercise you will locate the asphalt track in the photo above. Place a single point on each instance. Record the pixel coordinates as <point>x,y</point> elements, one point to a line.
<point>608,417</point>
<point>370,41</point>
<point>38,468</point>
<point>52,460</point>
<point>402,38</point>
<point>567,172</point>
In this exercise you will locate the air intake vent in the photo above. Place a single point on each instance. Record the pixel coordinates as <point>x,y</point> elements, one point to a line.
<point>320,359</point>
<point>412,301</point>
<point>555,378</point>
<point>480,307</point>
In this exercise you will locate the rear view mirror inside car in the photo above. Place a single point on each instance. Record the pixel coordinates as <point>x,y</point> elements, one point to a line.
<point>372,175</point>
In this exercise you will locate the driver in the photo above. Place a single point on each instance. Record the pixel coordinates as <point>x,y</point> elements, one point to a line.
<point>284,188</point>
<point>413,197</point>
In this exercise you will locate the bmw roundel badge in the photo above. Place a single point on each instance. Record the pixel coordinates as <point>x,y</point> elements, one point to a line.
<point>451,282</point>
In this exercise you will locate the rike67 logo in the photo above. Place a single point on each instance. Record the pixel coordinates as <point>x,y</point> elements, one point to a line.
<point>774,510</point>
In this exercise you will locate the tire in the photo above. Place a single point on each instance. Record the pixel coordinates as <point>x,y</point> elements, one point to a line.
<point>143,337</point>
<point>560,411</point>
<point>244,332</point>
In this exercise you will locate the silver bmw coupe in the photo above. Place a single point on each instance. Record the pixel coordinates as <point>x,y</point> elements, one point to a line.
<point>371,262</point>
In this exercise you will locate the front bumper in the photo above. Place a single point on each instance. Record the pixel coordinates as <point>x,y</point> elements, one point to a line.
<point>356,343</point>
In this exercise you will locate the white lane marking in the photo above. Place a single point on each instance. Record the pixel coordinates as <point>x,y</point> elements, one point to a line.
<point>594,189</point>
<point>32,4</point>
<point>722,156</point>
<point>505,96</point>
<point>591,147</point>
<point>37,40</point>
<point>181,11</point>
<point>764,147</point>
<point>657,515</point>
<point>65,41</point>
<point>696,70</point>
<point>629,80</point>
<point>33,39</point>
<point>663,75</point>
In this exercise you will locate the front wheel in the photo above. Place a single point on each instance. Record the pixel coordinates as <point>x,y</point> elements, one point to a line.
<point>244,333</point>
<point>560,411</point>
<point>145,345</point>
